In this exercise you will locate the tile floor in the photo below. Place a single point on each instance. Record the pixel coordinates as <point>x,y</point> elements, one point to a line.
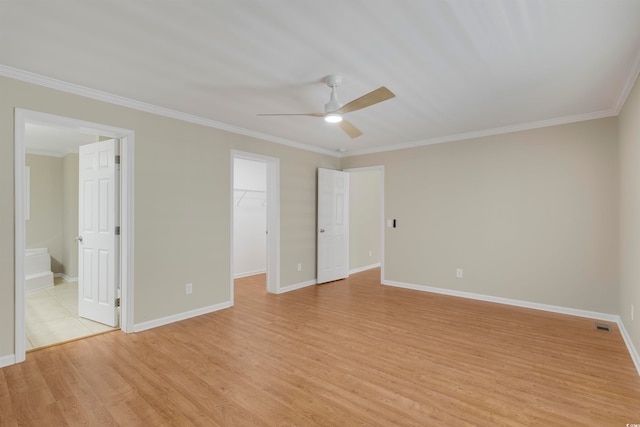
<point>52,316</point>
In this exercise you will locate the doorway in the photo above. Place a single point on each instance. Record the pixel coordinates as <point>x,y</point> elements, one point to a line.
<point>366,208</point>
<point>28,120</point>
<point>255,218</point>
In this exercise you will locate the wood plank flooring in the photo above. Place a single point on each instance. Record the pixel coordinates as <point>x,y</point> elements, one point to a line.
<point>346,353</point>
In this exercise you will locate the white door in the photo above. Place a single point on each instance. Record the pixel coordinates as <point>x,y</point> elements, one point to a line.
<point>97,249</point>
<point>333,225</point>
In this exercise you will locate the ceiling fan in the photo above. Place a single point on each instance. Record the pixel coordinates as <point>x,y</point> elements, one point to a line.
<point>334,109</point>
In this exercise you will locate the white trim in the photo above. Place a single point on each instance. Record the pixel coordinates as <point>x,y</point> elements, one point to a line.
<point>296,286</point>
<point>40,80</point>
<point>45,153</point>
<point>65,277</point>
<point>633,75</point>
<point>365,268</point>
<point>27,193</point>
<point>507,301</point>
<point>248,273</point>
<point>19,237</point>
<point>627,340</point>
<point>7,360</point>
<point>126,136</point>
<point>139,327</point>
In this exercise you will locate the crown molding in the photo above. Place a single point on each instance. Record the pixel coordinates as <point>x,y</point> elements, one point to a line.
<point>40,80</point>
<point>626,90</point>
<point>29,77</point>
<point>487,132</point>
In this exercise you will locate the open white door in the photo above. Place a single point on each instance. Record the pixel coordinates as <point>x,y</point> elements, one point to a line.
<point>333,225</point>
<point>97,249</point>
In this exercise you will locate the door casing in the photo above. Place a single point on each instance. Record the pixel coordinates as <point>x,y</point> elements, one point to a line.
<point>126,136</point>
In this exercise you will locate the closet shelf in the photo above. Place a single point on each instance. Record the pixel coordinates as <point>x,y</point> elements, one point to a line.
<point>244,193</point>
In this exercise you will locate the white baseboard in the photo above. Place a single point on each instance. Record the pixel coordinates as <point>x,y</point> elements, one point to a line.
<point>65,277</point>
<point>139,327</point>
<point>365,268</point>
<point>7,360</point>
<point>248,273</point>
<point>627,340</point>
<point>507,301</point>
<point>534,305</point>
<point>296,286</point>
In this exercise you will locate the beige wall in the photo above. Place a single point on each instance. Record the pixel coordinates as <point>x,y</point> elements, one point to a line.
<point>531,215</point>
<point>70,215</point>
<point>630,215</point>
<point>44,229</point>
<point>182,203</point>
<point>365,189</point>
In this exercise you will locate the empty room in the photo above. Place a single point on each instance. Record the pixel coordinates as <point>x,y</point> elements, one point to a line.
<point>420,213</point>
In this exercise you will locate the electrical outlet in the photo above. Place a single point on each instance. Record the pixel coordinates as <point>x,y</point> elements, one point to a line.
<point>370,252</point>
<point>459,273</point>
<point>299,266</point>
<point>188,288</point>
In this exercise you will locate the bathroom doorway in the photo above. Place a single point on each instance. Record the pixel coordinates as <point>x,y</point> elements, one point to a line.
<point>51,230</point>
<point>47,166</point>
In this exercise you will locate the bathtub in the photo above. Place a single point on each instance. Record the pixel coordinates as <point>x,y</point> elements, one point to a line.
<point>37,270</point>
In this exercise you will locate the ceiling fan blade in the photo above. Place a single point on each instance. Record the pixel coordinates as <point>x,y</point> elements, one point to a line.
<point>349,128</point>
<point>371,98</point>
<point>295,114</point>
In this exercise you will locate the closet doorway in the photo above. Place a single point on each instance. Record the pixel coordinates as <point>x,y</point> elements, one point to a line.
<point>255,216</point>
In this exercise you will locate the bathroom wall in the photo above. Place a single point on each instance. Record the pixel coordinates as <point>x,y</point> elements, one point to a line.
<point>54,210</point>
<point>44,229</point>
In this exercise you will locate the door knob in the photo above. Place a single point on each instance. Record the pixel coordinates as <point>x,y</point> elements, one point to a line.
<point>78,239</point>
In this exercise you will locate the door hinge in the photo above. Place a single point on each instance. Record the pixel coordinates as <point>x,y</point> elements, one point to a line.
<point>117,159</point>
<point>117,302</point>
<point>117,230</point>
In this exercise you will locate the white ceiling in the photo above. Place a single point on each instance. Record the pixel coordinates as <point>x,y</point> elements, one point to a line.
<point>459,68</point>
<point>46,140</point>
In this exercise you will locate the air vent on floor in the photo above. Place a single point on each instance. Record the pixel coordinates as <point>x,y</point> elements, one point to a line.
<point>603,327</point>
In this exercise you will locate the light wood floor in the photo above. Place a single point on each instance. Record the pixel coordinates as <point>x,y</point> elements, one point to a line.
<point>347,353</point>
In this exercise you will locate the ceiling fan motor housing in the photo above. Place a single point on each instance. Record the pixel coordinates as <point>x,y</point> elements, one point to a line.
<point>333,81</point>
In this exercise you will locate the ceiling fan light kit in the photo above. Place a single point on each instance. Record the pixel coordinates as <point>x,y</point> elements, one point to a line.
<point>334,110</point>
<point>333,118</point>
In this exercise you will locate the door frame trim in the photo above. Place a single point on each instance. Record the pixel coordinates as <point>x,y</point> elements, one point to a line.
<point>273,219</point>
<point>127,137</point>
